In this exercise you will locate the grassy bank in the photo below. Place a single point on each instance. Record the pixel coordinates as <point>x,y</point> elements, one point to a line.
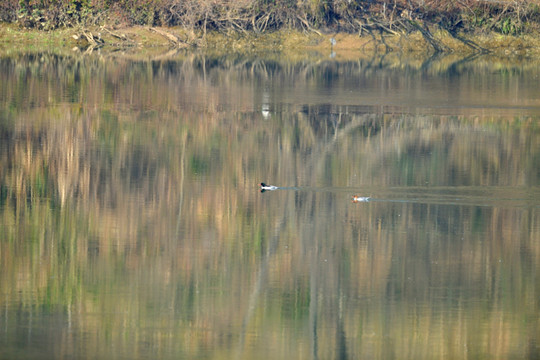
<point>145,42</point>
<point>503,27</point>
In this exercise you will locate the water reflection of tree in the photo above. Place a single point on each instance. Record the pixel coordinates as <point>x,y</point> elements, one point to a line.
<point>109,184</point>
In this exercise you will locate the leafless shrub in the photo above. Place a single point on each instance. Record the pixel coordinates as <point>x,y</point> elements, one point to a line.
<point>260,15</point>
<point>8,11</point>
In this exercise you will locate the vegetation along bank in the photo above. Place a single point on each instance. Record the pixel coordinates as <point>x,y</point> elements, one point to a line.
<point>508,27</point>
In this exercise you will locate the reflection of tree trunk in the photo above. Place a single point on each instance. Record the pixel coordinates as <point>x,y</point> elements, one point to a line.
<point>313,305</point>
<point>311,243</point>
<point>261,278</point>
<point>318,157</point>
<point>341,338</point>
<point>181,185</point>
<point>315,167</point>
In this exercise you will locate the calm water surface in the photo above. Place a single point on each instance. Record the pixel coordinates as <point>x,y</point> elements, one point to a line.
<point>132,226</point>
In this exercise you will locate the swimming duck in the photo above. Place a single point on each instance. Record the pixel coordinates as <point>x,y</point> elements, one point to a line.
<point>357,198</point>
<point>265,187</point>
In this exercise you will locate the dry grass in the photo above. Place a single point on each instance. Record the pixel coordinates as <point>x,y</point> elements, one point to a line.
<point>140,42</point>
<point>507,17</point>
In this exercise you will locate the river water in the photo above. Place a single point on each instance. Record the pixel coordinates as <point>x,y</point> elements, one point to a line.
<point>132,225</point>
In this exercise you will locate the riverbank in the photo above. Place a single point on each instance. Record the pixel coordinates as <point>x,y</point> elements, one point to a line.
<point>137,39</point>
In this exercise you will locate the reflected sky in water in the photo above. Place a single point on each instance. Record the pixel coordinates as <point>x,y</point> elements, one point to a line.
<point>133,225</point>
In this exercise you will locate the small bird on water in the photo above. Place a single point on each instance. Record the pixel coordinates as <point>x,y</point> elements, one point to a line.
<point>265,187</point>
<point>357,198</point>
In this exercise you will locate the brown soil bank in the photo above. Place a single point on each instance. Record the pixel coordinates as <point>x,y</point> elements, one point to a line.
<point>158,40</point>
<point>508,28</point>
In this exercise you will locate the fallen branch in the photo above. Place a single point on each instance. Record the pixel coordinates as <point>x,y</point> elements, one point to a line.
<point>306,24</point>
<point>172,38</point>
<point>470,43</point>
<point>118,36</point>
<point>437,46</point>
<point>90,38</point>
